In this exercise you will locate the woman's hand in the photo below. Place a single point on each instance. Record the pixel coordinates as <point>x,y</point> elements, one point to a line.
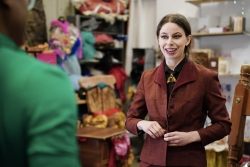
<point>181,138</point>
<point>152,128</point>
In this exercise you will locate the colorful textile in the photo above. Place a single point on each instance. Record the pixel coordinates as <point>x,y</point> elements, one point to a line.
<point>120,77</point>
<point>88,45</point>
<point>99,6</point>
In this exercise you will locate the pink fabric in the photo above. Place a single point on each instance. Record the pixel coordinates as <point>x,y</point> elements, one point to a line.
<point>80,50</point>
<point>47,57</point>
<point>122,144</point>
<point>103,38</point>
<point>64,25</point>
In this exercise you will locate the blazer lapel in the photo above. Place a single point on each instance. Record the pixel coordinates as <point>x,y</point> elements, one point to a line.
<point>160,77</point>
<point>186,75</point>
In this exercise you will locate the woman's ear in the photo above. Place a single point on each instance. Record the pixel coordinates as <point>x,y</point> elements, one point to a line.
<point>188,40</point>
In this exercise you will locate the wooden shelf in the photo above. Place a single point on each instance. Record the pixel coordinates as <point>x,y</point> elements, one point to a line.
<point>198,2</point>
<point>110,49</point>
<point>230,75</point>
<point>81,102</point>
<point>108,33</point>
<point>99,133</point>
<point>96,62</point>
<point>217,34</point>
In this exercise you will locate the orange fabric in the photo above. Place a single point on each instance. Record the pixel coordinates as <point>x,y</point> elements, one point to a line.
<point>108,112</point>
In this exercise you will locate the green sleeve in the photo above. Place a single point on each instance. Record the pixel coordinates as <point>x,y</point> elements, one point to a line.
<point>51,120</point>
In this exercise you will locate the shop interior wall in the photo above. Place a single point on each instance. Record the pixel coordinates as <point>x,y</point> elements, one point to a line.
<point>141,28</point>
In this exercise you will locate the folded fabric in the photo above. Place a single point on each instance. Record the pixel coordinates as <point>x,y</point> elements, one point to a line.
<point>103,38</point>
<point>89,51</point>
<point>101,6</point>
<point>49,57</point>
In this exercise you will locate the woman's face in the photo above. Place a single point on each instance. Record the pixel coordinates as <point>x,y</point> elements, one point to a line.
<point>172,41</point>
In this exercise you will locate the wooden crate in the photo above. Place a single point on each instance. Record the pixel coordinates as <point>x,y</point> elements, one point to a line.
<point>95,146</point>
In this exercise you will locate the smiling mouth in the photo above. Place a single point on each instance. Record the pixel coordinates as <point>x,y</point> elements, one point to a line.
<point>170,50</point>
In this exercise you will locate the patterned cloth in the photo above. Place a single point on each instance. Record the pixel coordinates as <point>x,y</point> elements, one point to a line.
<point>36,27</point>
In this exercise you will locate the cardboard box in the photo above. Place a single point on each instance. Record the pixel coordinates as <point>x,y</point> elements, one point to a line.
<point>202,56</point>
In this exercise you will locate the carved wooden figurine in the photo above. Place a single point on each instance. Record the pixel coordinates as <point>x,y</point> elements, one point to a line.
<point>240,109</point>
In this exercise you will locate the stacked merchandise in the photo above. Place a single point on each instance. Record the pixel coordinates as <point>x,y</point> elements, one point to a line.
<point>106,9</point>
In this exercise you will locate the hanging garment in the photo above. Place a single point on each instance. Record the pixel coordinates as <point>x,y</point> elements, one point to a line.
<point>36,25</point>
<point>120,77</point>
<point>66,38</point>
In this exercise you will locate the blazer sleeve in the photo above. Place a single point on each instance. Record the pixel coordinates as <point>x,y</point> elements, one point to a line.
<point>217,112</point>
<point>138,109</point>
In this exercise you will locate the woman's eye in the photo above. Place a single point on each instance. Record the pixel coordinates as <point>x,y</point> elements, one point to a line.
<point>164,37</point>
<point>176,36</point>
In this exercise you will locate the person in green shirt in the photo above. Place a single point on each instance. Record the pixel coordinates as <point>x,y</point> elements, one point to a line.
<point>38,111</point>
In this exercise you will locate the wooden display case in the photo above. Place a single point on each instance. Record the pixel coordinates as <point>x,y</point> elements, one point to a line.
<point>94,145</point>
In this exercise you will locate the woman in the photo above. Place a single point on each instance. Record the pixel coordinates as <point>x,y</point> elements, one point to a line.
<point>177,95</point>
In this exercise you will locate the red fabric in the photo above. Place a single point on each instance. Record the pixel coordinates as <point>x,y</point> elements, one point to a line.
<point>120,76</point>
<point>103,38</point>
<point>108,112</point>
<point>112,157</point>
<point>141,61</point>
<point>90,5</point>
<point>82,139</point>
<point>244,159</point>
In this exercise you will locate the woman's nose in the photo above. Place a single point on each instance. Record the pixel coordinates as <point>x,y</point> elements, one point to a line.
<point>169,41</point>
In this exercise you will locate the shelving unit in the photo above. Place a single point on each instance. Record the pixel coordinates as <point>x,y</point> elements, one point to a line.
<point>217,34</point>
<point>230,75</point>
<point>221,43</point>
<point>95,63</point>
<point>198,2</point>
<point>143,59</point>
<point>115,30</point>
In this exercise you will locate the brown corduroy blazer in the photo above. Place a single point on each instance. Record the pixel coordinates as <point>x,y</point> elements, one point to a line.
<point>195,95</point>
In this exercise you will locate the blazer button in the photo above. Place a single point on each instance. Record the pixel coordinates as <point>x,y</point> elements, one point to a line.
<point>169,116</point>
<point>171,106</point>
<point>173,95</point>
